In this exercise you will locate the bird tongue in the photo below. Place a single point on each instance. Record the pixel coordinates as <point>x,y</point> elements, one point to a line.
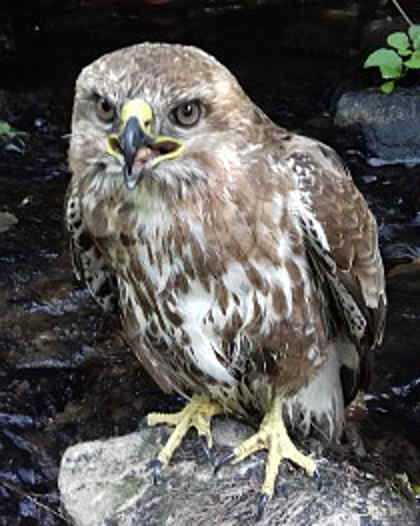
<point>146,153</point>
<point>143,155</point>
<point>133,173</point>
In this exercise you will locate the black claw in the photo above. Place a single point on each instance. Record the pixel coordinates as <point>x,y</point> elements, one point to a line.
<point>156,468</point>
<point>317,478</point>
<point>262,502</point>
<point>225,459</point>
<point>207,451</point>
<point>281,489</point>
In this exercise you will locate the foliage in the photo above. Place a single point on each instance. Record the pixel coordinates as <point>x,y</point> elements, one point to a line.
<point>6,130</point>
<point>402,55</point>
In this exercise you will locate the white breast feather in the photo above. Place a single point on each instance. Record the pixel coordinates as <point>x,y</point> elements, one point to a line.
<point>205,345</point>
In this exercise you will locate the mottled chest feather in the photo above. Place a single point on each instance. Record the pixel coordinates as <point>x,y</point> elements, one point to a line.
<point>197,308</point>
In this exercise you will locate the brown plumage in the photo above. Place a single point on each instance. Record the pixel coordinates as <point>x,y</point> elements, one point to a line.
<point>242,258</point>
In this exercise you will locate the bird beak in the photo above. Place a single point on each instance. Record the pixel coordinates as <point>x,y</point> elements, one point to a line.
<point>136,146</point>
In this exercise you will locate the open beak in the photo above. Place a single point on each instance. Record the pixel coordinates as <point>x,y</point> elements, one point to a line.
<point>138,148</point>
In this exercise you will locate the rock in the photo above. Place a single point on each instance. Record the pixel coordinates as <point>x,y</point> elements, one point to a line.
<point>388,123</point>
<point>108,483</point>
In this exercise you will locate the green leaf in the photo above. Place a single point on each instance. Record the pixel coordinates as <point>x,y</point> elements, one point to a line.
<point>8,131</point>
<point>414,61</point>
<point>404,52</point>
<point>5,128</point>
<point>416,43</point>
<point>388,86</point>
<point>387,61</point>
<point>398,40</point>
<point>414,32</point>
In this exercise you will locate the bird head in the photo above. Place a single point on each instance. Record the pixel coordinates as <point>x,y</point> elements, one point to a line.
<point>159,114</point>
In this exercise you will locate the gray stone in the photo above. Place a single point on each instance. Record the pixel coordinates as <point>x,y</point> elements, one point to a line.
<point>389,123</point>
<point>109,483</point>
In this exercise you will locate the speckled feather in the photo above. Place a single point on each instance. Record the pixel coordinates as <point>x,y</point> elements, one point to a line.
<point>247,265</point>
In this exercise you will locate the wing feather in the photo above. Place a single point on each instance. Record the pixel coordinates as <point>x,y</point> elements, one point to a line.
<point>89,264</point>
<point>342,241</point>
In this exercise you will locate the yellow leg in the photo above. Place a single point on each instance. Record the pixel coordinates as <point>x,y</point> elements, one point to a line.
<point>197,413</point>
<point>272,435</point>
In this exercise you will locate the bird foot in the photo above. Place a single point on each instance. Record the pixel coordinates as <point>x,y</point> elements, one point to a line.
<point>197,413</point>
<point>272,435</point>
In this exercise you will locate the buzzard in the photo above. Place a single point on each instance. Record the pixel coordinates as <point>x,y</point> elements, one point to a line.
<point>241,257</point>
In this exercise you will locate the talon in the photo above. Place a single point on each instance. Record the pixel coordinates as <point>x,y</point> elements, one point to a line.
<point>262,502</point>
<point>281,489</point>
<point>317,478</point>
<point>155,466</point>
<point>198,414</point>
<point>206,449</point>
<point>271,436</point>
<point>225,459</point>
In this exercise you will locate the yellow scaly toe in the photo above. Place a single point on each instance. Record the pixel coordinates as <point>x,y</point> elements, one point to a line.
<point>197,413</point>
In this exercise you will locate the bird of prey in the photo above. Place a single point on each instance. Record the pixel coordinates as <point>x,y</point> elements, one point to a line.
<point>241,257</point>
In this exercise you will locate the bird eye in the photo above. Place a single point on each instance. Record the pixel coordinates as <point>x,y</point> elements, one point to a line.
<point>105,110</point>
<point>187,114</point>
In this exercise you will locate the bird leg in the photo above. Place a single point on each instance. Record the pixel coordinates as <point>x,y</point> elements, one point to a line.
<point>197,413</point>
<point>272,435</point>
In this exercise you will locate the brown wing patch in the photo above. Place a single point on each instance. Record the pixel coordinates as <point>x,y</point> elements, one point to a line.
<point>353,259</point>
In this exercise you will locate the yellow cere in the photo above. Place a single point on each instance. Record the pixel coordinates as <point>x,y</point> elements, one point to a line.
<point>140,109</point>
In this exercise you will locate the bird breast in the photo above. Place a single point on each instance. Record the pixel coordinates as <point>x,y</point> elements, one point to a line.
<point>207,315</point>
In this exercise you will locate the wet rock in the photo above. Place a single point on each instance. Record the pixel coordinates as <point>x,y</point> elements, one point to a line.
<point>388,123</point>
<point>108,482</point>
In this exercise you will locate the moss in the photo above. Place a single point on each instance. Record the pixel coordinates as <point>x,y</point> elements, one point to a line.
<point>126,489</point>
